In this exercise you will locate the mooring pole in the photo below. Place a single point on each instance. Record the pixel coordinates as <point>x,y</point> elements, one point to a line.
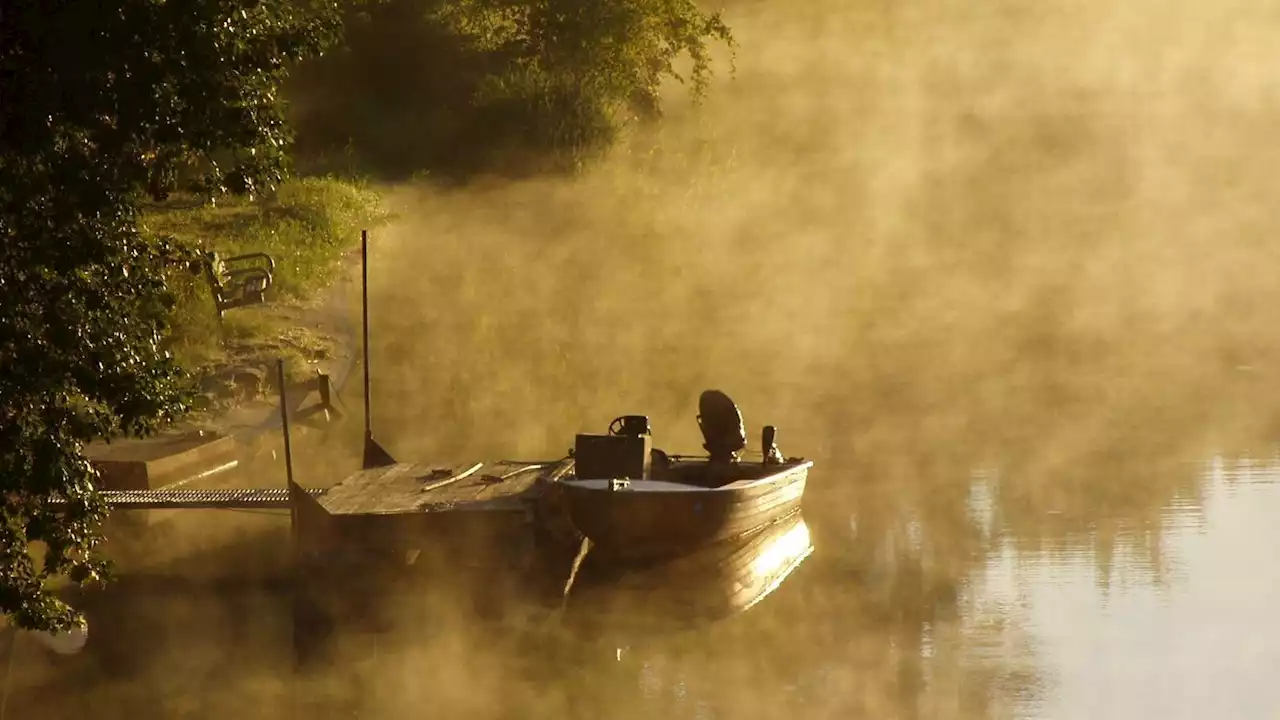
<point>364,330</point>
<point>284,420</point>
<point>295,496</point>
<point>288,446</point>
<point>374,455</point>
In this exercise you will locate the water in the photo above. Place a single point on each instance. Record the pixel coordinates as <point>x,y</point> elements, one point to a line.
<point>1176,625</point>
<point>1108,586</point>
<point>1192,637</point>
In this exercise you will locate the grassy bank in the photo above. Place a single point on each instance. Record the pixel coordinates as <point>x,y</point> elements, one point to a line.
<point>305,227</point>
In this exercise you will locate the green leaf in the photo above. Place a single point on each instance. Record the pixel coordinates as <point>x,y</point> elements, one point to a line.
<point>103,103</point>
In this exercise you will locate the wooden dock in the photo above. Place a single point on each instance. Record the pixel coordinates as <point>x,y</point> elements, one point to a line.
<point>133,464</point>
<point>406,539</point>
<point>402,506</point>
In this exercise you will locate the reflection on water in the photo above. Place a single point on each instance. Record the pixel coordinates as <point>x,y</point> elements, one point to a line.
<point>1175,623</point>
<point>1186,634</point>
<point>959,603</point>
<point>714,583</point>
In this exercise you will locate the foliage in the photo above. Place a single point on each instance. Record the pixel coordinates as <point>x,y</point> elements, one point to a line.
<point>461,86</point>
<point>305,226</point>
<point>101,101</point>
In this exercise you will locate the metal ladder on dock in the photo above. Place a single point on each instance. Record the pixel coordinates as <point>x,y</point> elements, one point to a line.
<point>208,499</point>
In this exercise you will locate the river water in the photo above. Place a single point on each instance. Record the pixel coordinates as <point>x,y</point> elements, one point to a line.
<point>1183,634</point>
<point>1004,271</point>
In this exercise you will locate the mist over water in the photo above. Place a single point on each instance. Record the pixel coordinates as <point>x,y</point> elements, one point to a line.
<point>931,242</point>
<point>1004,270</point>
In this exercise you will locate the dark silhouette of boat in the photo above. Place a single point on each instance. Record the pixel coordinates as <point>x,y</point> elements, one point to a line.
<point>636,503</point>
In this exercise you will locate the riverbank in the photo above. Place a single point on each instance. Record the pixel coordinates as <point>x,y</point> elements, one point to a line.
<point>309,318</point>
<point>308,228</point>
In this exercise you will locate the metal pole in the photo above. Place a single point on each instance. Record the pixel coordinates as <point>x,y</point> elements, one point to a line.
<point>294,496</point>
<point>284,422</point>
<point>374,454</point>
<point>364,326</point>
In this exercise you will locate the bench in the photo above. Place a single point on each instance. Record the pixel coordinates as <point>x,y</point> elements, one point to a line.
<point>240,280</point>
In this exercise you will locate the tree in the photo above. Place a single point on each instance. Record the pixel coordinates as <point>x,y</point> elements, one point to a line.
<point>101,102</point>
<point>463,86</point>
<point>572,70</point>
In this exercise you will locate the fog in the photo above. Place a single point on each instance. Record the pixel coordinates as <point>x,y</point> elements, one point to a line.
<point>932,242</point>
<point>941,216</point>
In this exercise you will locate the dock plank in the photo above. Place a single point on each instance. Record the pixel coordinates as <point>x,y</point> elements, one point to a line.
<point>516,480</point>
<point>423,488</point>
<point>396,488</point>
<point>412,506</point>
<point>496,482</point>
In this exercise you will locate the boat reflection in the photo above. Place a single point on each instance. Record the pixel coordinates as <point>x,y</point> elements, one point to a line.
<point>711,584</point>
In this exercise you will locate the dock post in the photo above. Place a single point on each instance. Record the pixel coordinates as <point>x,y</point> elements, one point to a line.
<point>374,454</point>
<point>290,485</point>
<point>294,491</point>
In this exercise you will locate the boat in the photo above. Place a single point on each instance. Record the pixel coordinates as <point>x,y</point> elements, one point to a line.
<point>636,503</point>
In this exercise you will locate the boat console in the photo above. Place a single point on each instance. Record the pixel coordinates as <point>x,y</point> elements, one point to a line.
<point>625,453</point>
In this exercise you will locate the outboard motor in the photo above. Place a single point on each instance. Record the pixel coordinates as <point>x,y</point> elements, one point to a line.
<point>723,433</point>
<point>769,446</point>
